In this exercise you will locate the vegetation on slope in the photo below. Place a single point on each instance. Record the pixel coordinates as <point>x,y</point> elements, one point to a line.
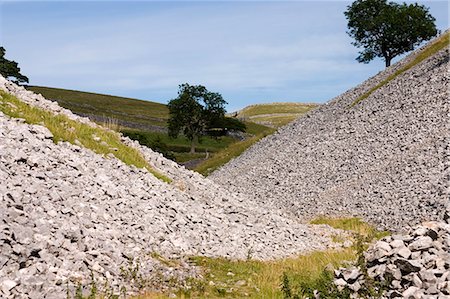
<point>99,140</point>
<point>122,109</point>
<point>178,148</point>
<point>137,120</point>
<point>234,149</point>
<point>225,278</point>
<point>439,44</point>
<point>274,114</point>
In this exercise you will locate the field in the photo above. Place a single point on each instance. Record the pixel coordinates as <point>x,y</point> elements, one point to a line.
<point>127,112</point>
<point>274,114</point>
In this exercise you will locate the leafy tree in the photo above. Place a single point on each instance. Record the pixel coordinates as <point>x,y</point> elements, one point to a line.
<point>387,29</point>
<point>10,68</point>
<point>194,111</point>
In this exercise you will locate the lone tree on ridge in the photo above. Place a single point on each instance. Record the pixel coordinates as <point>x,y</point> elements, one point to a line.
<point>388,29</point>
<point>194,111</point>
<point>10,69</point>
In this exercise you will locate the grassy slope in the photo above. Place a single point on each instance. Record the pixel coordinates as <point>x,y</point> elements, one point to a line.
<point>126,109</point>
<point>275,114</point>
<point>65,129</point>
<point>235,149</point>
<point>439,44</point>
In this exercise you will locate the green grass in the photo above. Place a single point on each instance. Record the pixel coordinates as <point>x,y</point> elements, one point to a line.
<point>225,278</point>
<point>439,44</point>
<point>273,108</point>
<point>65,129</point>
<point>233,150</point>
<point>274,114</point>
<point>276,120</point>
<point>119,108</point>
<point>355,225</point>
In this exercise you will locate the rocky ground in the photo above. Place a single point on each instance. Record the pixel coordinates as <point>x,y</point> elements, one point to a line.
<point>385,159</point>
<point>413,266</point>
<point>66,212</point>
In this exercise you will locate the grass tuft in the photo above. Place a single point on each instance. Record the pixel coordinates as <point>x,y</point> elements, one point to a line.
<point>99,140</point>
<point>432,49</point>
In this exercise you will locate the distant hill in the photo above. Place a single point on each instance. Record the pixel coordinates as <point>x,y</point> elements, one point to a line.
<point>274,114</point>
<point>127,112</point>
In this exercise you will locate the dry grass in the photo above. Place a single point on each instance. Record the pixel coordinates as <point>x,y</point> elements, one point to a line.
<point>354,225</point>
<point>99,140</point>
<point>224,278</point>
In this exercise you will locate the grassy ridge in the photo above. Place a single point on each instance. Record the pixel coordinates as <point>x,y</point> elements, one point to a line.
<point>427,52</point>
<point>99,140</point>
<point>274,114</point>
<point>272,108</point>
<point>125,109</point>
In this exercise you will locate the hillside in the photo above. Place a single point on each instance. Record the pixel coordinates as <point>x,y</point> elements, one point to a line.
<point>130,113</point>
<point>274,114</point>
<point>80,202</point>
<point>379,151</point>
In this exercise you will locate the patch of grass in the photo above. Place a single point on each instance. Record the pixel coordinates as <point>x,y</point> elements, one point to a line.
<point>276,120</point>
<point>185,157</point>
<point>181,143</point>
<point>355,225</point>
<point>99,140</point>
<point>427,52</point>
<point>119,108</point>
<point>233,150</point>
<point>225,278</point>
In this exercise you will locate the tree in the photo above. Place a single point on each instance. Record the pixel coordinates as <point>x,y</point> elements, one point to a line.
<point>10,68</point>
<point>194,111</point>
<point>387,29</point>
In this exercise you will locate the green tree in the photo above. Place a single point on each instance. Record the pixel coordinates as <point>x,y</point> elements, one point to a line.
<point>194,111</point>
<point>387,29</point>
<point>10,68</point>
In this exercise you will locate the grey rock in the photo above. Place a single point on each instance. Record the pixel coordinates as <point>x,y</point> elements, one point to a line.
<point>408,266</point>
<point>421,243</point>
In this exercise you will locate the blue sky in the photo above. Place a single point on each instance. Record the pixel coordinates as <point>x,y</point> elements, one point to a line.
<point>249,51</point>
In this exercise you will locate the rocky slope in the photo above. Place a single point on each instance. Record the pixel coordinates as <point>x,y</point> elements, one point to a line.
<point>414,265</point>
<point>385,159</point>
<point>66,211</point>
